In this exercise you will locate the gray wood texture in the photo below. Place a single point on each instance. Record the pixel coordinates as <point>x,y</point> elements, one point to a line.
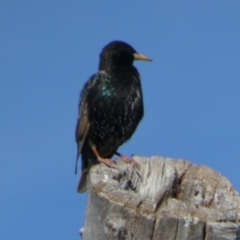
<point>166,199</point>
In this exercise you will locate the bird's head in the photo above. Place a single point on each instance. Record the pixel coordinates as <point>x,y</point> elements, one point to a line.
<point>117,54</point>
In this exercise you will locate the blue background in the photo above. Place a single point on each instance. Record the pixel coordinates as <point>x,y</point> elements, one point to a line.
<point>48,49</point>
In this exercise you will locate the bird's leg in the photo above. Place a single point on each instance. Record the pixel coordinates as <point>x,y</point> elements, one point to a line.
<point>107,161</point>
<point>128,160</point>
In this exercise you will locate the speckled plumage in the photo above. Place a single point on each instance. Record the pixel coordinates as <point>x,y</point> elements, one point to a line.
<point>111,106</point>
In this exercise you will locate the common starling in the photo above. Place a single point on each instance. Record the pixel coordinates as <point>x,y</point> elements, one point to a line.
<point>110,108</point>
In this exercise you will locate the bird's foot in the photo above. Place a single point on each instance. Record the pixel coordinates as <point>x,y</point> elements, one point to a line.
<point>129,160</point>
<point>106,161</point>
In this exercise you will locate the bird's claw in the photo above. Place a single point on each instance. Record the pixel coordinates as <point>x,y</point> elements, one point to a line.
<point>107,161</point>
<point>131,160</point>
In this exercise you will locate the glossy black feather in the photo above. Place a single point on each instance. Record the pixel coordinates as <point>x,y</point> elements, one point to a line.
<point>111,105</point>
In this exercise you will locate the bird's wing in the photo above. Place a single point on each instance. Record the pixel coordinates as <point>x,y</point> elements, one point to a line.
<point>89,97</point>
<point>83,123</point>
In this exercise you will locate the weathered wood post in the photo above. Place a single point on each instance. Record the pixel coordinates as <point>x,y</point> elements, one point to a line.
<point>166,199</point>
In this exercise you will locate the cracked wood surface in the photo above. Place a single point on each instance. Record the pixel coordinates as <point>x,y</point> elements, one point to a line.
<point>166,199</point>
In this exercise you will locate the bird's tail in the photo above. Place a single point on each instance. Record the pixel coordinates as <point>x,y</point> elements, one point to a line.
<point>76,164</point>
<point>82,184</point>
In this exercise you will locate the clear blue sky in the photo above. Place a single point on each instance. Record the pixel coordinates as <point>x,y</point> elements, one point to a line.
<point>48,49</point>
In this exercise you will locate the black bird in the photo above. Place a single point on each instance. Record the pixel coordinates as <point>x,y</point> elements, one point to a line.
<point>110,108</point>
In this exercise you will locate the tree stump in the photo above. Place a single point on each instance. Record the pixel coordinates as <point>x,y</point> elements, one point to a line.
<point>165,199</point>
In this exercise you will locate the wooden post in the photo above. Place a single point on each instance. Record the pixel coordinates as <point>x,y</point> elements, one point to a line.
<point>166,199</point>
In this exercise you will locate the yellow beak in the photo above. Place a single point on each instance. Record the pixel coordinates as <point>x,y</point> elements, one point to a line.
<point>141,57</point>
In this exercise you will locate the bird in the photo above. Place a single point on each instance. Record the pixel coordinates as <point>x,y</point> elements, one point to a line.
<point>110,108</point>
